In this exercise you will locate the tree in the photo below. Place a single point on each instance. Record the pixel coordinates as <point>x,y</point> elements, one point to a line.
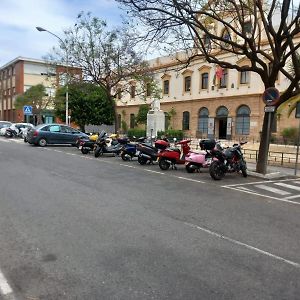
<point>107,57</point>
<point>36,97</point>
<point>141,117</point>
<point>292,102</point>
<point>88,103</point>
<point>263,32</point>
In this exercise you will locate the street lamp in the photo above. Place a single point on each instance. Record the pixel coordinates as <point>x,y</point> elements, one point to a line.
<point>67,69</point>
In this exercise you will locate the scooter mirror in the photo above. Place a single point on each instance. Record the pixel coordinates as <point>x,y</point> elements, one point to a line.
<point>174,139</point>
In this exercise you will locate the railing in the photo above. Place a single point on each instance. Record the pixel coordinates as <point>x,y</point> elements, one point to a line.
<point>274,157</point>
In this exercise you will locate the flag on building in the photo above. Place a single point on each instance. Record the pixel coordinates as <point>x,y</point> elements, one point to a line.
<point>219,72</point>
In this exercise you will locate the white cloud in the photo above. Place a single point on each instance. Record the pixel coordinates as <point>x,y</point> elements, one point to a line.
<point>18,19</point>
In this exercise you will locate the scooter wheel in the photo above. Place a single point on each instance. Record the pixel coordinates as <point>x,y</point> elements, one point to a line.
<point>164,164</point>
<point>189,168</point>
<point>142,160</point>
<point>125,156</point>
<point>215,171</point>
<point>97,152</point>
<point>244,171</point>
<point>84,151</point>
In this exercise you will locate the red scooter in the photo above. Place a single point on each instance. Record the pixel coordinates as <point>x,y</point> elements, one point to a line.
<point>169,157</point>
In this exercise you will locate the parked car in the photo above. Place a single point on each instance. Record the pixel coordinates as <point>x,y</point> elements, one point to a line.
<point>45,134</point>
<point>3,126</point>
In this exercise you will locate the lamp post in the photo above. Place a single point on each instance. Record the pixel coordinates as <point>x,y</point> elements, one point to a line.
<point>67,70</point>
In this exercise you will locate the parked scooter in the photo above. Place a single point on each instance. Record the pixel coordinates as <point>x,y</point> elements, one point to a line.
<point>169,157</point>
<point>129,150</point>
<point>149,153</point>
<point>101,145</point>
<point>86,145</point>
<point>194,161</point>
<point>228,160</point>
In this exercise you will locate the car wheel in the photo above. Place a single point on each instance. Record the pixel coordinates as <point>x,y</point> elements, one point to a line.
<point>42,142</point>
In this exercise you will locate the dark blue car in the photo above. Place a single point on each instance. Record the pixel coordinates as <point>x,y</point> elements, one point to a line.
<point>45,134</point>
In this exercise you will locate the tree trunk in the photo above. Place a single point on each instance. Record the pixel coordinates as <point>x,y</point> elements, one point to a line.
<point>262,160</point>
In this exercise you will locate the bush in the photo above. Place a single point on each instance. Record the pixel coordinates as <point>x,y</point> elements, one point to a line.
<point>136,132</point>
<point>290,135</point>
<point>171,134</point>
<point>124,126</point>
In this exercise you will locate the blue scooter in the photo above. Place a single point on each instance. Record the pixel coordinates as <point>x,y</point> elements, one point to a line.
<point>129,150</point>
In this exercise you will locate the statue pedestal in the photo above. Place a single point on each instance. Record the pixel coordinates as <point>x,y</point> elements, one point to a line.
<point>155,122</point>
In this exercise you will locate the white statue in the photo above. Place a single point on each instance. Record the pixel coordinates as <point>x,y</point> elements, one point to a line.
<point>155,105</point>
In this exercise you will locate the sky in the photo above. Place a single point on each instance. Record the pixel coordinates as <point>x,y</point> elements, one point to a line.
<point>18,19</point>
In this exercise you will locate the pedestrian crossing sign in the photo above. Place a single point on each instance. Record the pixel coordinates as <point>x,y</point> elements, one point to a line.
<point>27,110</point>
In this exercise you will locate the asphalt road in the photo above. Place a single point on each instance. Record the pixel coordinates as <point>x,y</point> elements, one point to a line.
<point>78,227</point>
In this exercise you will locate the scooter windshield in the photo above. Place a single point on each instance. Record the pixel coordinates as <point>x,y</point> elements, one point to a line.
<point>102,134</point>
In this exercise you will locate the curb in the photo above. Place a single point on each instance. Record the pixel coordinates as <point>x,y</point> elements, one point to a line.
<point>269,176</point>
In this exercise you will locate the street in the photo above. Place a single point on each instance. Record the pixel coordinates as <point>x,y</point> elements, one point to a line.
<point>78,227</point>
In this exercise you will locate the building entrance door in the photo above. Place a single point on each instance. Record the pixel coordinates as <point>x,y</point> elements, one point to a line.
<point>222,128</point>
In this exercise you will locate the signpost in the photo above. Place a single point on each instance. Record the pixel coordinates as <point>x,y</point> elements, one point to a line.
<point>270,97</point>
<point>297,115</point>
<point>27,111</point>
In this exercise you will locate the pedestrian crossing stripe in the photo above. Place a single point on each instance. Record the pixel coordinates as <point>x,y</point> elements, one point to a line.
<point>257,188</point>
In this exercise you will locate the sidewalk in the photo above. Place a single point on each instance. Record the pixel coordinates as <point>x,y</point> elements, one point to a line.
<point>273,172</point>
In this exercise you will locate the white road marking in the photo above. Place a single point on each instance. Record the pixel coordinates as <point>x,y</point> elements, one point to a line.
<point>292,187</point>
<point>297,182</point>
<point>255,182</point>
<point>128,166</point>
<point>287,261</point>
<point>147,170</point>
<point>5,289</point>
<point>262,195</point>
<point>292,197</point>
<point>189,179</point>
<point>244,188</point>
<point>272,189</point>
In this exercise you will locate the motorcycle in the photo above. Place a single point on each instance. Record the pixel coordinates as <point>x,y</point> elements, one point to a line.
<point>86,145</point>
<point>169,157</point>
<point>129,150</point>
<point>149,153</point>
<point>195,161</point>
<point>228,160</point>
<point>101,145</point>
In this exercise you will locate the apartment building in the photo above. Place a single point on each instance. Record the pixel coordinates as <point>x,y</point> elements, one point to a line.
<point>22,73</point>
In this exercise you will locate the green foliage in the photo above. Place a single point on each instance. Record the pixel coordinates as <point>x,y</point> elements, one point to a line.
<point>124,126</point>
<point>34,96</point>
<point>171,134</point>
<point>88,104</point>
<point>136,132</point>
<point>290,135</point>
<point>141,117</point>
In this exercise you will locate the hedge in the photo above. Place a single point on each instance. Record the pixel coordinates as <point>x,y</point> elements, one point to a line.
<point>136,132</point>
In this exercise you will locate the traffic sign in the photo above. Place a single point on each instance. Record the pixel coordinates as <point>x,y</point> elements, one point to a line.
<point>297,110</point>
<point>27,110</point>
<point>270,108</point>
<point>270,96</point>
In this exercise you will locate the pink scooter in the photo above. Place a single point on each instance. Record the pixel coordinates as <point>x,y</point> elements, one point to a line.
<point>195,161</point>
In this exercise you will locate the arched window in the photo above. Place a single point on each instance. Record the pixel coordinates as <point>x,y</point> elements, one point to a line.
<point>185,120</point>
<point>242,124</point>
<point>203,120</point>
<point>222,112</point>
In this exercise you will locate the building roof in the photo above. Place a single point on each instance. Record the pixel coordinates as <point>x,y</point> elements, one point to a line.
<point>20,58</point>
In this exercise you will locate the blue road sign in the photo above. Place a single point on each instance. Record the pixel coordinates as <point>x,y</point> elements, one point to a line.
<point>270,96</point>
<point>27,110</point>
